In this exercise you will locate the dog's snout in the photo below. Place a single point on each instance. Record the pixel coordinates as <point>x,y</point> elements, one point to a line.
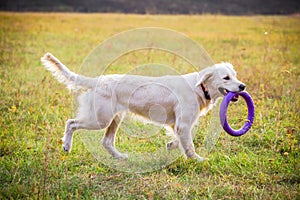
<point>242,87</point>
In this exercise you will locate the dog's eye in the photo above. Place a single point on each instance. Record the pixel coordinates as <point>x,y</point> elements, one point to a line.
<point>226,78</point>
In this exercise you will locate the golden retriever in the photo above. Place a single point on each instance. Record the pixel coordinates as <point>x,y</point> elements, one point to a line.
<point>174,101</point>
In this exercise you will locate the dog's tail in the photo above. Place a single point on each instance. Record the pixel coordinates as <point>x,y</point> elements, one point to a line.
<point>72,80</point>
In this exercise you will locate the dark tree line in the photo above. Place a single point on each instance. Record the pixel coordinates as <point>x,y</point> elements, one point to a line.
<point>232,7</point>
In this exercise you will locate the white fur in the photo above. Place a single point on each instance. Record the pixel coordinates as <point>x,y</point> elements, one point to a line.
<point>173,101</point>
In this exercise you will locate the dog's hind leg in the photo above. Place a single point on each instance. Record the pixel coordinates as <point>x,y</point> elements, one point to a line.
<point>108,140</point>
<point>68,135</point>
<point>76,124</point>
<point>173,144</point>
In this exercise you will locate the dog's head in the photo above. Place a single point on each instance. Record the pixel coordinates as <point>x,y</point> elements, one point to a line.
<point>220,79</point>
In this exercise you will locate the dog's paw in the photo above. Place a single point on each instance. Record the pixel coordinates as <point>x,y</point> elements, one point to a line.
<point>66,148</point>
<point>66,145</point>
<point>199,158</point>
<point>121,156</point>
<point>172,145</point>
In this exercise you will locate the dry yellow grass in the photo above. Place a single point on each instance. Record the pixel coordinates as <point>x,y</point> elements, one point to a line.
<point>263,164</point>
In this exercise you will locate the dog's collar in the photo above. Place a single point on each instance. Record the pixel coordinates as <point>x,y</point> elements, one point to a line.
<point>206,94</point>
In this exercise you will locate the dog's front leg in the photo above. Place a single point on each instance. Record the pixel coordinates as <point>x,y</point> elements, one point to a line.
<point>183,132</point>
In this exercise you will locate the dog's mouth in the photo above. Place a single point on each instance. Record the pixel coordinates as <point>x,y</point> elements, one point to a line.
<point>224,91</point>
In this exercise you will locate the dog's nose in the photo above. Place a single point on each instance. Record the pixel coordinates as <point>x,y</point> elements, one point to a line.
<point>242,87</point>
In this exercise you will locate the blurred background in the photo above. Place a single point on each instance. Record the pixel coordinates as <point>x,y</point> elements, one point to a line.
<point>227,7</point>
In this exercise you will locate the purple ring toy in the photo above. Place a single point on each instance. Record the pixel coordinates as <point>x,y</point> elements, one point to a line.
<point>223,113</point>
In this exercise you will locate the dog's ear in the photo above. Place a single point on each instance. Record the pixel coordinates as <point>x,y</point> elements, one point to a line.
<point>230,66</point>
<point>203,76</point>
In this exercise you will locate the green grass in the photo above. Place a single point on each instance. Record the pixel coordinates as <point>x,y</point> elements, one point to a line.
<point>262,164</point>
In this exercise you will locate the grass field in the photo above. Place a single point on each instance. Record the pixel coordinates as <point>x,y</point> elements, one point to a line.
<point>262,164</point>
